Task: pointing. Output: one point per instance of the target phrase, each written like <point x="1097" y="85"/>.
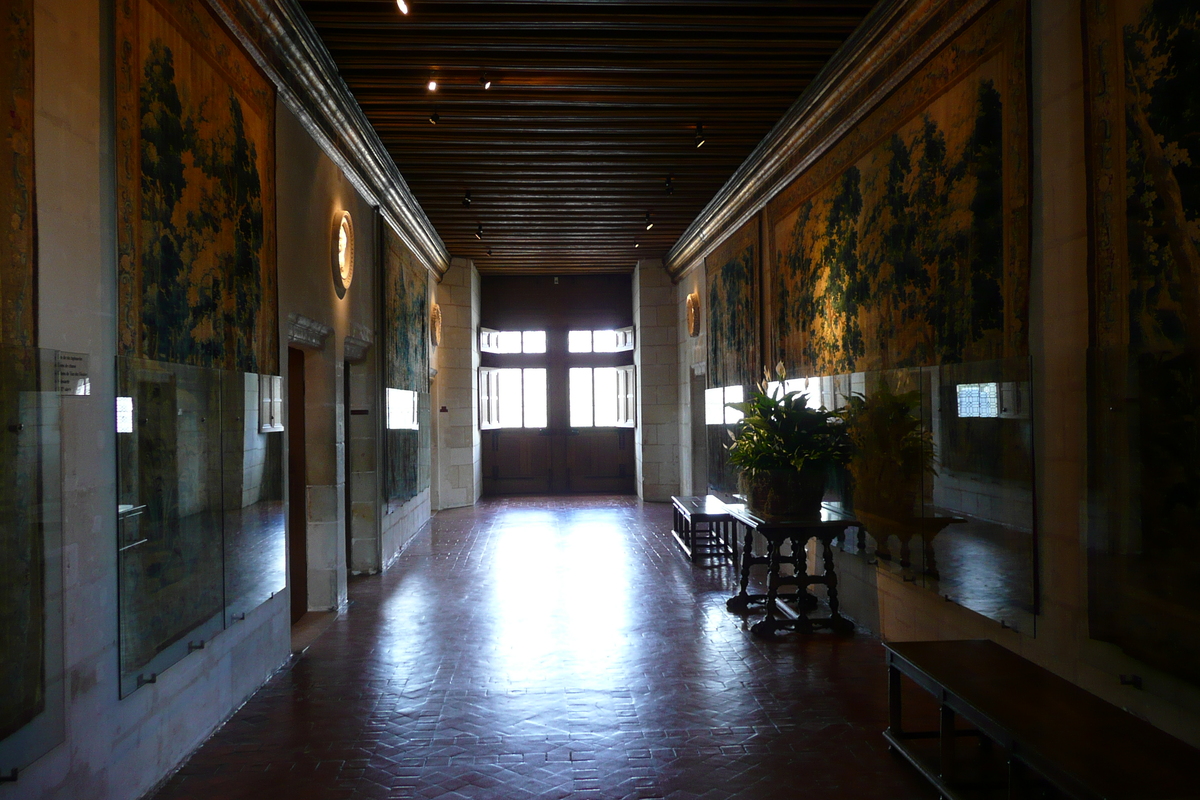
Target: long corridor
<point x="555" y="648"/>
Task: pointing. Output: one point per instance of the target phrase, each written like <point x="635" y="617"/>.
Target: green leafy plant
<point x="781" y="433"/>
<point x="892" y="451"/>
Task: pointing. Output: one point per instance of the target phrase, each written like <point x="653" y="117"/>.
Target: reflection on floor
<point x="554" y="648"/>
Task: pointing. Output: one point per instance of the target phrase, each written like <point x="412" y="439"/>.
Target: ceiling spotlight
<point x="489" y="251"/>
<point x="467" y="198"/>
<point x="699" y="134"/>
<point x="649" y="222"/>
<point x="636" y="245"/>
<point x="485" y="81"/>
<point x="479" y="231"/>
<point x="433" y="118"/>
<point x="403" y="6"/>
<point x="433" y="84"/>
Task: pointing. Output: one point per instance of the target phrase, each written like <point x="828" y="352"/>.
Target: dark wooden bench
<point x="703" y="529"/>
<point x="1033" y="728"/>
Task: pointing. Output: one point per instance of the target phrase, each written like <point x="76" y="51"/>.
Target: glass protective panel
<point x="535" y="398"/>
<point x="580" y="380"/>
<point x="1144" y="510"/>
<point x="170" y="510"/>
<point x="255" y="534"/>
<point x="31" y="609"/>
<point x="942" y="480"/>
<point x="579" y="341"/>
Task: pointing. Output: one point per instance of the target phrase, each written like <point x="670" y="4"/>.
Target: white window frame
<point x="489" y="399"/>
<point x="626" y="397"/>
<point x="624" y="344"/>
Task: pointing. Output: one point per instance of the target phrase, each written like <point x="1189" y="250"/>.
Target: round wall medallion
<point x="693" y="314"/>
<point x="342" y="251"/>
<point x="435" y="324"/>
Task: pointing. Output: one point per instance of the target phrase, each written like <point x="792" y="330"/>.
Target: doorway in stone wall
<point x="297" y="487"/>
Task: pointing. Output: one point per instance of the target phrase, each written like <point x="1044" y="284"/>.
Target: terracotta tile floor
<point x="555" y="648"/>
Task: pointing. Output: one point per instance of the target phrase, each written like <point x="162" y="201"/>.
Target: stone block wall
<point x="656" y="437"/>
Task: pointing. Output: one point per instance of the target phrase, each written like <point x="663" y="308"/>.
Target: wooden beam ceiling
<point x="593" y="105"/>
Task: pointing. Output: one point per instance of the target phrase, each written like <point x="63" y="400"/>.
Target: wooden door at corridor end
<point x="557" y="458"/>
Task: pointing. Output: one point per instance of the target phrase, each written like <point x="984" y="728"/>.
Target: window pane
<point x="606" y="341"/>
<point x="510" y="342"/>
<point x="714" y="410"/>
<point x="535" y="398"/>
<point x="535" y="342"/>
<point x="579" y="341"/>
<point x="733" y="394"/>
<point x="580" y="381"/>
<point x="606" y="396"/>
<point x="509" y="391"/>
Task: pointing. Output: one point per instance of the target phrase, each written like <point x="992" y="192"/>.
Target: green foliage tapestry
<point x="406" y="364"/>
<point x="196" y="192"/>
<point x="1144" y="382"/>
<point x="731" y="274"/>
<point x="907" y="243"/>
<point x="22" y="572"/>
<point x="17" y="241"/>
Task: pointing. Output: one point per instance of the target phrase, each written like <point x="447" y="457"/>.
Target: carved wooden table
<point x="703" y="529"/>
<point x="831" y="524"/>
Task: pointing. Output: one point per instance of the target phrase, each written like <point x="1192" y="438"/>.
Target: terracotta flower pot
<point x="784" y="494"/>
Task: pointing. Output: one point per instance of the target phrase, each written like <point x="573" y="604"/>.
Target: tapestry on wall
<point x="907" y="242"/>
<point x="195" y="192"/>
<point x="22" y="572"/>
<point x="406" y="367"/>
<point x="1144" y="381"/>
<point x="731" y="275"/>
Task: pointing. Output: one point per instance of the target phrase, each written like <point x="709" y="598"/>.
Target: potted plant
<point x="892" y="452"/>
<point x="784" y="451"/>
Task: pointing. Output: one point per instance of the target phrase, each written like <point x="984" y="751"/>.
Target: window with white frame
<point x="716" y="409"/>
<point x="512" y="397"/>
<point x="402" y="410"/>
<point x="601" y="397"/>
<point x="608" y="341"/>
<point x="493" y="341"/>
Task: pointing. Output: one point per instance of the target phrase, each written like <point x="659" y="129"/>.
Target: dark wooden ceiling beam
<point x="594" y="104"/>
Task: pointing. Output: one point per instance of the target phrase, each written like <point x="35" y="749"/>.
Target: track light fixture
<point x="467" y="198"/>
<point x="485" y="81"/>
<point x="649" y="222"/>
<point x="434" y="118"/>
<point x="479" y="231"/>
<point x="699" y="134"/>
<point x="489" y="251"/>
<point x="636" y="245"/>
<point x="403" y="6"/>
<point x="670" y="188"/>
<point x="433" y="84"/>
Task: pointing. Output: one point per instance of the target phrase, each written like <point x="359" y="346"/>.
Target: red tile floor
<point x="556" y="648"/>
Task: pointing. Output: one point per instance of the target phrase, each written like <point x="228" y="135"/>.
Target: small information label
<point x="73" y="378"/>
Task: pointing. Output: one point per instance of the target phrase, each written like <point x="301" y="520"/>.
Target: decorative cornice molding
<point x="830" y="106"/>
<point x="282" y="41"/>
<point x="355" y="349"/>
<point x="306" y="331"/>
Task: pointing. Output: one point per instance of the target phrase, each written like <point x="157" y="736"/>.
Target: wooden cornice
<point x="280" y="38"/>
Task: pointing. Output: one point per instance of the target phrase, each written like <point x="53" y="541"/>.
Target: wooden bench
<point x="1045" y="729"/>
<point x="703" y="529"/>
